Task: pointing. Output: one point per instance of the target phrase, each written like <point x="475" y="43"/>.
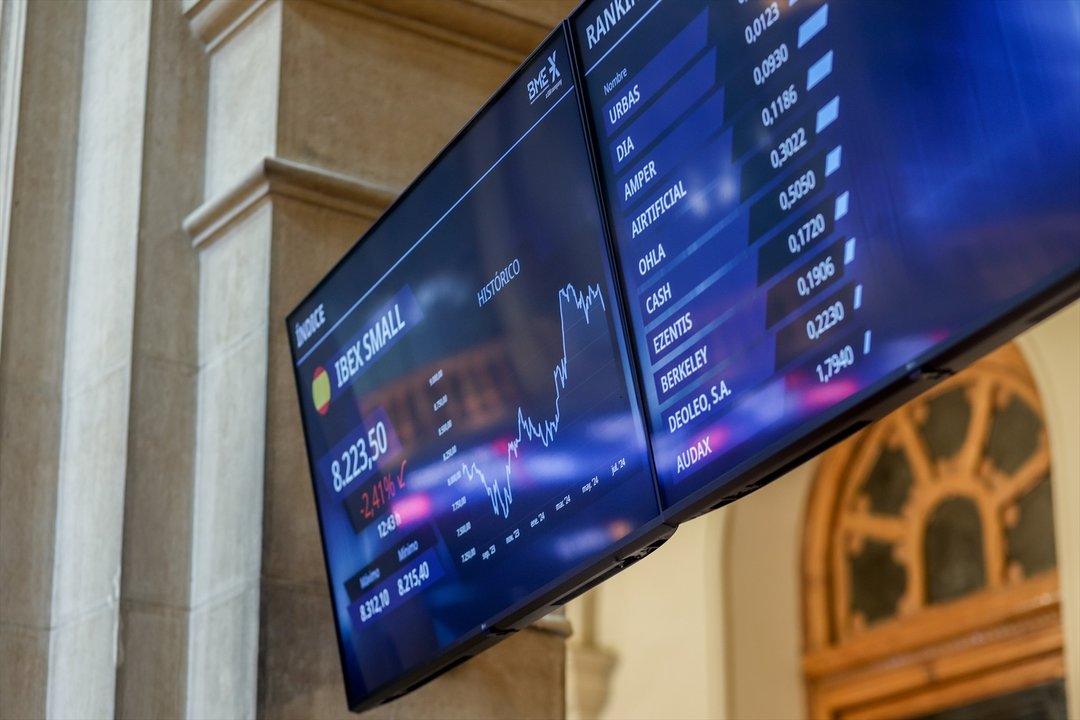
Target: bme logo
<point x="544" y="79"/>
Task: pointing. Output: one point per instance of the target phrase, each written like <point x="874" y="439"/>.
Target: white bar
<point x="792" y="2"/>
<point x="832" y="160"/>
<point x="827" y="115"/>
<point x="841" y="206"/>
<point x="819" y="70"/>
<point x="849" y="251"/>
<point x="866" y="343"/>
<point x="813" y="25"/>
<point x="858" y="297"/>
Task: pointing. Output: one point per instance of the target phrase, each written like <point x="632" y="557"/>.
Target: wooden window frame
<point x="1004" y="638"/>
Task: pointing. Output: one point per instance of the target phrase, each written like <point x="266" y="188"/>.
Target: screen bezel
<point x="641" y="541"/>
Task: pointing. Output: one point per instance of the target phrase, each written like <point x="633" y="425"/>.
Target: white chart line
<point x="528" y="429"/>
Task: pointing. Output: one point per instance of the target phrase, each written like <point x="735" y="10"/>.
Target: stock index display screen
<point x="472" y="427"/>
<point x="808" y="198"/>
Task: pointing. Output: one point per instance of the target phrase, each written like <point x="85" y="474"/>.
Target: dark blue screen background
<point x="930" y="181"/>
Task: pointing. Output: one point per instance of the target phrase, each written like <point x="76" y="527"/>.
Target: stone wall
<point x="174" y="177"/>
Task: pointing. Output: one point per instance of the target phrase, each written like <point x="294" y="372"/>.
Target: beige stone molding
<point x="506" y="30"/>
<point x="589" y="671"/>
<point x="215" y="20"/>
<point x="494" y="29"/>
<point x="285" y="178"/>
<point x="554" y="624"/>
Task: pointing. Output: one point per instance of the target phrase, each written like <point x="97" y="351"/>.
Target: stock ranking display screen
<point x="808" y="197"/>
<point x="464" y="381"/>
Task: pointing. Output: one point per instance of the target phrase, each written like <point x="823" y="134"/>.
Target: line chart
<point x="529" y="429"/>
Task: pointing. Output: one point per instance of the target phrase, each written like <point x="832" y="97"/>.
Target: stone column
<point x="1053" y="349"/>
<point x="73" y="189"/>
<point x="319" y="113"/>
<point x="155" y="601"/>
<point x="41" y="50"/>
<point x="589" y="665"/>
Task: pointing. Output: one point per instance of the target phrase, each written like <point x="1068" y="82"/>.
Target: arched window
<point x="929" y="564"/>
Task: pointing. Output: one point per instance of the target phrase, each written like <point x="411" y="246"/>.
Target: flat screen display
<point x="808" y="199"/>
<point x="474" y="434"/>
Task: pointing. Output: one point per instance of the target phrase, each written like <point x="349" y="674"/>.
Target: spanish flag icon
<point x="320" y="391"/>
